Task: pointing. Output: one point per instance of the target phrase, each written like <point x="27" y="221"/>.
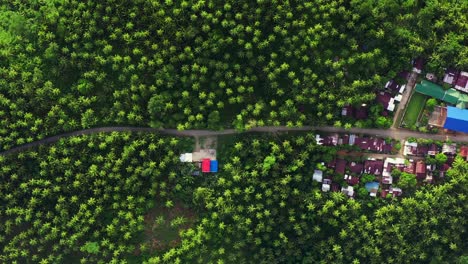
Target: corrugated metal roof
<point x="450" y="96"/>
<point x="457" y="119"/>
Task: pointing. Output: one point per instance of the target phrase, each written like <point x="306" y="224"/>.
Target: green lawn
<point x="415" y="106"/>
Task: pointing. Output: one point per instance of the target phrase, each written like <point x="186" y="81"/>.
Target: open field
<point x="415" y="106"/>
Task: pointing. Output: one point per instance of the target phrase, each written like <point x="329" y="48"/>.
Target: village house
<point x="326" y="185"/>
<point x="349" y="191"/>
<point x="464" y="152"/>
<point x="420" y="170"/>
<point x="352" y="180"/>
<point x="462" y="82"/>
<point x="410" y="148"/>
<point x="330" y="140"/>
<point x="449" y="149"/>
<point x="433" y="150"/>
<point x="395" y="192"/>
<point x="372" y="188"/>
<point x="356" y="167"/>
<point x="451" y="76"/>
<point x="410" y="167"/>
<point x="386" y="100"/>
<point x="374" y="167"/>
<point x="389" y="165"/>
<point x="392" y="86"/>
<point x="318" y="175"/>
<point x="418" y="65"/>
<point x="340" y="166"/>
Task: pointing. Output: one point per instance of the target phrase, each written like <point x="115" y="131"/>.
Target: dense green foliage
<point x="68" y="64"/>
<point x="265" y="208"/>
<point x="85" y="197"/>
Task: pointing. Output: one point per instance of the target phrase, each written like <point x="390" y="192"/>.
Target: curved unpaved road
<point x="393" y="133"/>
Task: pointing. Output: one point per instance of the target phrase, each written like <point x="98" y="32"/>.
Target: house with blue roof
<point x="457" y="119"/>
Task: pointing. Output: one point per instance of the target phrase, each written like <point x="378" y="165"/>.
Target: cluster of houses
<point x="458" y="79"/>
<point x="453" y="117"/>
<point x="384" y="184"/>
<point x="392" y="95"/>
<point x="352" y="172"/>
<point x="372" y="144"/>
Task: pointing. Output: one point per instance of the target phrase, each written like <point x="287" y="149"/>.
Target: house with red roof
<point x="464" y="152"/>
<point x="361" y="113"/>
<point x="410" y="167"/>
<point x="206" y="165"/>
<point x="340" y="166"/>
<point x="392" y="85"/>
<point x="418" y="65"/>
<point x="433" y="150"/>
<point x="395" y="192"/>
<point x="351" y="180"/>
<point x="374" y="167"/>
<point x="462" y="82"/>
<point x="420" y="169"/>
<point x="356" y="168"/>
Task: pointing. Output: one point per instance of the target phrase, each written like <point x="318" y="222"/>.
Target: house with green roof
<point x="450" y="96"/>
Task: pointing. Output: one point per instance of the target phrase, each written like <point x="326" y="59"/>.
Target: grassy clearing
<point x="414" y="108"/>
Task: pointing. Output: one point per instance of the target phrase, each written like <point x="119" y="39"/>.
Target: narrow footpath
<point x="404" y="100"/>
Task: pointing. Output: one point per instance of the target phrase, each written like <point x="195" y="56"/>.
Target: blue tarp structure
<point x="214" y="166"/>
<point x="372" y="185"/>
<point x="457" y="119"/>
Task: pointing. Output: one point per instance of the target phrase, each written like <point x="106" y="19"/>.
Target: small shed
<point x="318" y="175"/>
<point x="214" y="166"/>
<point x="206" y="165"/>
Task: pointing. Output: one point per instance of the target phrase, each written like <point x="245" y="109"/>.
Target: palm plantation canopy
<point x="121" y="197"/>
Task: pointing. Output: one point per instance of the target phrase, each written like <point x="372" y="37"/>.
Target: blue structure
<point x="372" y="185"/>
<point x="214" y="166"/>
<point x="457" y="119"/>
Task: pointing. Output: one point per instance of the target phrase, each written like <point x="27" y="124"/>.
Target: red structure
<point x="206" y="165"/>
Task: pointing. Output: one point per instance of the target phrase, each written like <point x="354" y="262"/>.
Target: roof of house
<point x="186" y="157"/>
<point x="340" y="166"/>
<point x="356" y="167"/>
<point x="372" y="186"/>
<point x="318" y="175"/>
<point x="214" y="166"/>
<point x="449" y="148"/>
<point x="361" y="113"/>
<point x="392" y="85"/>
<point x="348" y="191"/>
<point x="384" y="99"/>
<point x="404" y="75"/>
<point x="457" y="119"/>
<point x="462" y="81"/>
<point x="373" y="167"/>
<point x="352" y="180"/>
<point x="436" y="91"/>
<point x="422" y="149"/>
<point x="464" y="151"/>
<point x="410" y="167"/>
<point x="206" y="165"/>
<point x="347" y="111"/>
<point x="451" y="76"/>
<point x="420" y="169"/>
<point x="418" y="65"/>
<point x="387" y="179"/>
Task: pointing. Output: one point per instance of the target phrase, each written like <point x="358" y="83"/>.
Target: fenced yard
<point x="414" y="108"/>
